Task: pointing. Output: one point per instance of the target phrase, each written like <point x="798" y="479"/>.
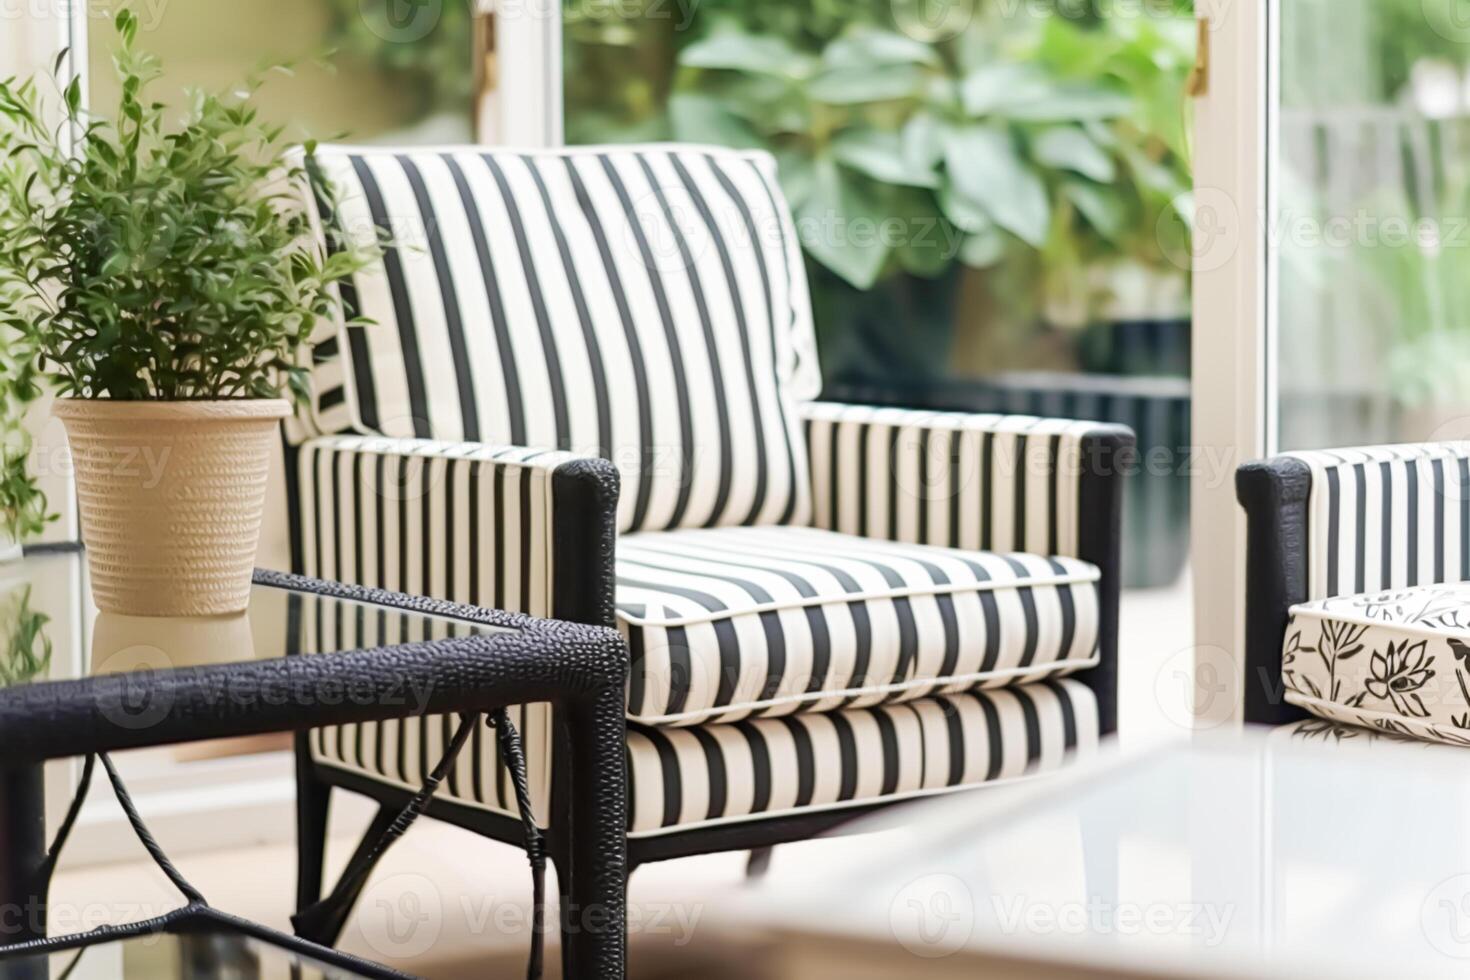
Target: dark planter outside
<point x="1158" y="347"/>
<point x="901" y="330"/>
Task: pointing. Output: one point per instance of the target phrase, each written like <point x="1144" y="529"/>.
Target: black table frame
<point x="579" y="668"/>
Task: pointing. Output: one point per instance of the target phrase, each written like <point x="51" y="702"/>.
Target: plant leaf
<point x="699" y="118"/>
<point x="840" y="227"/>
<point x="880" y="155"/>
<point x="764" y="54"/>
<point x="1101" y="206"/>
<point x="1069" y="148"/>
<point x="984" y="166"/>
<point x="853" y="86"/>
<point x="865" y="47"/>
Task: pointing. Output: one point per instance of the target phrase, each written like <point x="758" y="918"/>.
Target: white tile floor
<point x="447" y="904"/>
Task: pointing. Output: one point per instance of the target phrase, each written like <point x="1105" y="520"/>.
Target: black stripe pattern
<point x="733" y="622"/>
<point x="825" y="604"/>
<point x="954" y="479"/>
<point x="643" y="304"/>
<point x="1387" y="517"/>
<point x="687" y="777"/>
<point x="460" y="521"/>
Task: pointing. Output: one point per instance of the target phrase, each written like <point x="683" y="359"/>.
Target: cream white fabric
<point x="711" y="774"/>
<point x="1387" y="517"/>
<point x="959" y="479"/>
<point x="1396" y="661"/>
<point x="732" y="622"/>
<point x="645" y="304"/>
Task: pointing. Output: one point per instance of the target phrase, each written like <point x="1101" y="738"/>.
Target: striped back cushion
<point x="1387" y="517"/>
<point x="645" y="304"/>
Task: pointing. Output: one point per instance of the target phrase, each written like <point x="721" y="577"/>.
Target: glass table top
<point x="50" y="629"/>
<point x="1307" y="850"/>
<point x="194" y="955"/>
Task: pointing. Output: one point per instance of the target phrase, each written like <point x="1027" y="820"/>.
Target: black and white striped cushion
<point x="688" y="777"/>
<point x="1387" y="517"/>
<point x="460" y="521"/>
<point x="964" y="480"/>
<point x="644" y="304"/>
<point x="403" y="751"/>
<point x="730" y="622"/>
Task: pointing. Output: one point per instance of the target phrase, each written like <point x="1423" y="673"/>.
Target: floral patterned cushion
<point x="1395" y="661"/>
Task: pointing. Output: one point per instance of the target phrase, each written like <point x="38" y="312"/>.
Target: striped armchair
<point x="1358" y="590"/>
<point x="589" y="392"/>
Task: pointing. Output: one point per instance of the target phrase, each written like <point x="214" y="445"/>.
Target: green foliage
<point x="23" y="511"/>
<point x="1045" y="146"/>
<point x="424" y="47"/>
<point x="144" y="260"/>
<point x="25" y="655"/>
<point x="1411" y="270"/>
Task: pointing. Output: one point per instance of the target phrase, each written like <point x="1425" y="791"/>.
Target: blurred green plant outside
<point x="25" y="653"/>
<point x="428" y="59"/>
<point x="1376" y="121"/>
<point x="1047" y="145"/>
<point x="23" y="508"/>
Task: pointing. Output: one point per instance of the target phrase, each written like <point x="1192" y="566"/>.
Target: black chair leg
<point x="593" y="875"/>
<point x="759" y="862"/>
<point x="322" y="922"/>
<point x="313" y="802"/>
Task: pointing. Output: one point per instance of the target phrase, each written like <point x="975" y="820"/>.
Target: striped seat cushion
<point x="644" y="304"/>
<point x="687" y="777"/>
<point x="1395" y="661"/>
<point x="732" y="622"/>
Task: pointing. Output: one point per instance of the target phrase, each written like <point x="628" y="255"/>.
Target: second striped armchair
<point x="589" y="391"/>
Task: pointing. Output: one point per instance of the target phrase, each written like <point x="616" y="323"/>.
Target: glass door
<point x="990" y="197"/>
<point x="1370" y="243"/>
<point x="1331" y="250"/>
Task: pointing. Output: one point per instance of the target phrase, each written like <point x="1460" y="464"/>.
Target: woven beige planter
<point x="171" y="495"/>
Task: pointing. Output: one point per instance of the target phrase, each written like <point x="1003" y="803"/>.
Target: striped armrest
<point x="526" y="530"/>
<point x="1376" y="517"/>
<point x="1343" y="522"/>
<point x="962" y="480"/>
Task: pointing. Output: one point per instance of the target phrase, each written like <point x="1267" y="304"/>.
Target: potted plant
<point x="163" y="274"/>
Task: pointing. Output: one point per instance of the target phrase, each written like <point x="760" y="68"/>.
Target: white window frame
<point x="527" y="95"/>
<point x="1233" y="408"/>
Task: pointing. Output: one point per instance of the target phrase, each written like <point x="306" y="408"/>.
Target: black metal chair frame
<point x="1275" y="495"/>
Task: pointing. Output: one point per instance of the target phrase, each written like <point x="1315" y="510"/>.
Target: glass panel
<point x="380" y="70"/>
<point x="1372" y="245"/>
<point x="195" y="954"/>
<point x="988" y="193"/>
<point x="45" y="593"/>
